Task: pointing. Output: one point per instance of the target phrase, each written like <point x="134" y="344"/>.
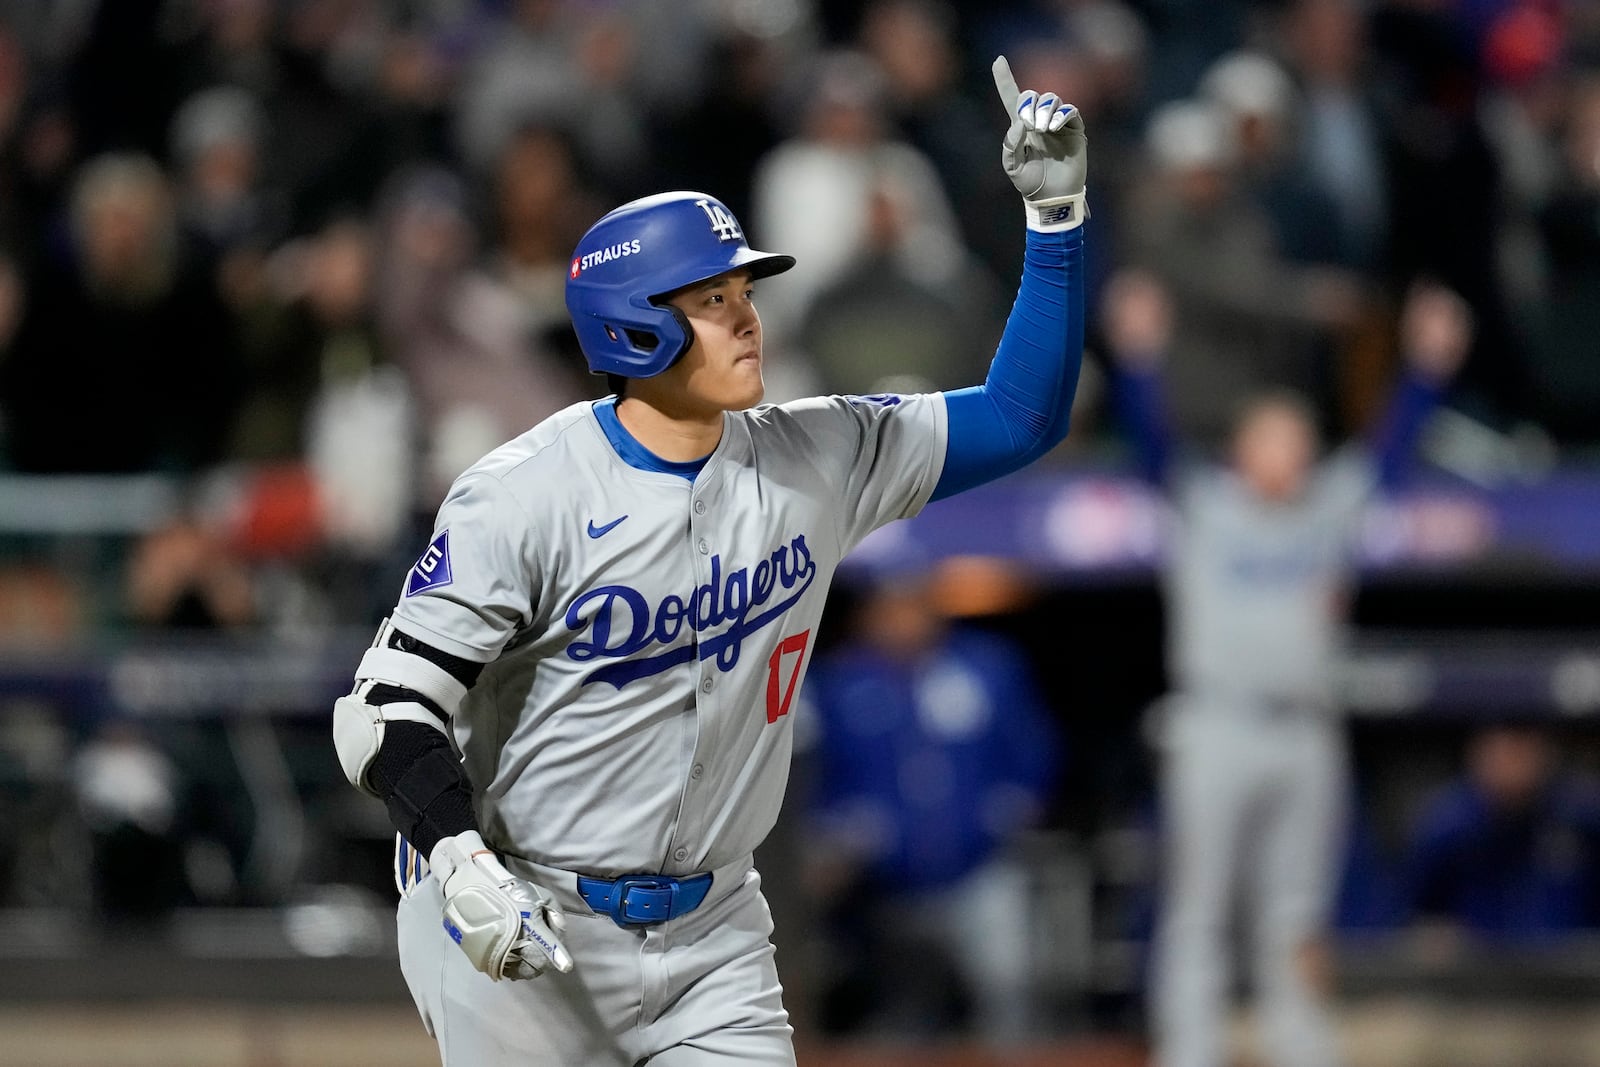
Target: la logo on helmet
<point x="722" y="223"/>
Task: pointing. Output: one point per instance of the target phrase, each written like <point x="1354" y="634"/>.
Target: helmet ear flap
<point x="686" y="339"/>
<point x="656" y="338"/>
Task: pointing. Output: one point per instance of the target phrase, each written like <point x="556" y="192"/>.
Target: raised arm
<point x="1137" y="313"/>
<point x="1021" y="410"/>
<point x="1435" y="334"/>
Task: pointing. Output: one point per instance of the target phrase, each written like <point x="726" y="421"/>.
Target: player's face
<point x="722" y="369"/>
<point x="1273" y="451"/>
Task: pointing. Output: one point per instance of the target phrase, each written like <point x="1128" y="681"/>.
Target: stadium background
<point x="271" y="273"/>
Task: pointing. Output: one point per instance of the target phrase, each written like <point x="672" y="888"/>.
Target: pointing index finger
<point x="1007" y="85"/>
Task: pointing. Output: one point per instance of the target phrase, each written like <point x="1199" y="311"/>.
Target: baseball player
<point x="579" y="714"/>
<point x="1253" y="778"/>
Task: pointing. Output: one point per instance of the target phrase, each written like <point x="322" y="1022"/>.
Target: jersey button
<point x="699" y="507"/>
<point x="705" y="549"/>
<point x="681" y="854"/>
<point x="705" y="684"/>
<point x="696" y="771"/>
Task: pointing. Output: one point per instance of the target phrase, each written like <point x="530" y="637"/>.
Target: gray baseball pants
<point x="1253" y="812"/>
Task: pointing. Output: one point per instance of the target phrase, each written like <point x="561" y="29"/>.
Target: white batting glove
<point x="1045" y="154"/>
<point x="506" y="926"/>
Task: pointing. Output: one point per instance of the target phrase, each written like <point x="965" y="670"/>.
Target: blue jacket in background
<point x="923" y="770"/>
<point x="1510" y="876"/>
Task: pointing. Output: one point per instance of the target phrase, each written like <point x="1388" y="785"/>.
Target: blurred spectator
<point x="413" y="85"/>
<point x="469" y="346"/>
<point x="542" y="208"/>
<point x="124" y="80"/>
<point x="1260" y="99"/>
<point x="814" y="193"/>
<point x="11" y="304"/>
<point x="1565" y="372"/>
<point x="309" y="325"/>
<point x="1341" y="138"/>
<point x="558" y="64"/>
<point x="1187" y="36"/>
<point x="216" y="146"/>
<point x="1511" y="850"/>
<point x="115" y="346"/>
<point x="914" y="44"/>
<point x="24" y="191"/>
<point x="232" y="43"/>
<point x="327" y="144"/>
<point x="1442" y="170"/>
<point x="1253" y="761"/>
<point x="933" y="750"/>
<point x="1526" y="102"/>
<point x="1247" y="318"/>
<point x="184" y="575"/>
<point x="882" y="327"/>
<point x="716" y="139"/>
<point x="361" y="397"/>
<point x="1115" y="45"/>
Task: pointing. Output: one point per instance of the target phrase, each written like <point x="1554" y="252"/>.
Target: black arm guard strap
<point x="417" y="775"/>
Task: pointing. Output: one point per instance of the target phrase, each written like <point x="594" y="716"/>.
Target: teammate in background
<point x="933" y="750"/>
<point x="579" y="711"/>
<point x="1253" y="753"/>
<point x="1510" y="851"/>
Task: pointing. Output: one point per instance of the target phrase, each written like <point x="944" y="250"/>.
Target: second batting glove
<point x="507" y="927"/>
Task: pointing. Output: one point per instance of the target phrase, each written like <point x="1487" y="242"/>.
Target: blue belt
<point x="641" y="900"/>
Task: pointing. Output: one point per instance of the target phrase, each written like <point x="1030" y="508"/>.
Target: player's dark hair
<point x="616" y="383"/>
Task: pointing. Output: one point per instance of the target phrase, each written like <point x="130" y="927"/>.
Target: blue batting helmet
<point x="640" y="252"/>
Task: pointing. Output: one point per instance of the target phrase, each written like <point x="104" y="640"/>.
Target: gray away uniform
<point x="644" y="639"/>
<point x="1254" y="763"/>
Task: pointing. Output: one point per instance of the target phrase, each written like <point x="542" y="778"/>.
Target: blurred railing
<point x="1089" y="523"/>
<point x="1388" y="673"/>
<point x="97" y="505"/>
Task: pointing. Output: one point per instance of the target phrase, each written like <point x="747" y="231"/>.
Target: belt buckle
<point x="629" y="910"/>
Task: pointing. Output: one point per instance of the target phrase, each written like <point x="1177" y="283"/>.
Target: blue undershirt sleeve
<point x="1021" y="410"/>
<point x="1394" y="440"/>
<point x="1141" y="406"/>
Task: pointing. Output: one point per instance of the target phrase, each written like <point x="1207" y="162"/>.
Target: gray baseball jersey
<point x="645" y="636"/>
<point x="1256" y="590"/>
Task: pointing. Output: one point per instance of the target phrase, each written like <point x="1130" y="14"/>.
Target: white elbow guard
<point x="358" y="726"/>
<point x="407" y="670"/>
<point x="358" y="732"/>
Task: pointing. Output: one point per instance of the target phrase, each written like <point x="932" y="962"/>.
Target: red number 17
<point x="779" y="693"/>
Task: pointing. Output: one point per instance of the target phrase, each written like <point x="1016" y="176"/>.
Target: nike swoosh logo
<point x="601" y="531"/>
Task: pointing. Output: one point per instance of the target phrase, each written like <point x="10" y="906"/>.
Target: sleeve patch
<point x="433" y="569"/>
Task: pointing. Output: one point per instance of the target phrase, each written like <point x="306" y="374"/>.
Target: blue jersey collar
<point x="632" y="452"/>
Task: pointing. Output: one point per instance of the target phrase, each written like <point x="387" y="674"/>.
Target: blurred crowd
<point x="306" y="258"/>
<point x="314" y="250"/>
